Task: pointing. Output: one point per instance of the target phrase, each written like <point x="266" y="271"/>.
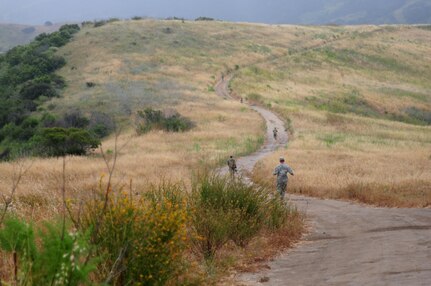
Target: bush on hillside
<point x="28" y="30"/>
<point x="421" y="116"/>
<point x="204" y="19"/>
<point x="99" y="23"/>
<point x="59" y="141"/>
<point x="33" y="90"/>
<point x="87" y="24"/>
<point x="254" y="97"/>
<point x="101" y="124"/>
<point x="74" y="119"/>
<point x="151" y="119"/>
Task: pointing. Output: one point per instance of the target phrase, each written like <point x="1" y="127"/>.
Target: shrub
<point x="420" y="115"/>
<point x="112" y="20"/>
<point x="74" y="119"/>
<point x="34" y="90"/>
<point x="254" y="97"/>
<point x="99" y="23"/>
<point x="87" y="24"/>
<point x="101" y="124"/>
<point x="28" y="30"/>
<point x="142" y="239"/>
<point x="167" y="30"/>
<point x="59" y="141"/>
<point x="150" y="119"/>
<point x="90" y="84"/>
<point x="204" y="19"/>
<point x="225" y="210"/>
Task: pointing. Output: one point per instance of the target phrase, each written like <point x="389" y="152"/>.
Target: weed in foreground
<point x="226" y="210"/>
<point x="47" y="256"/>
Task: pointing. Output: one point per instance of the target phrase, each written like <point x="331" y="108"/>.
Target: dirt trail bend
<point x="349" y="244"/>
<point x="246" y="164"/>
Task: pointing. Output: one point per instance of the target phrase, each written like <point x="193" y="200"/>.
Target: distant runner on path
<point x="275" y="132"/>
<point x="281" y="172"/>
<point x="231" y="163"/>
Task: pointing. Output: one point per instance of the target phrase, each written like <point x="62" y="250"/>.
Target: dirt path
<point x="349" y="244"/>
<point x="246" y="164"/>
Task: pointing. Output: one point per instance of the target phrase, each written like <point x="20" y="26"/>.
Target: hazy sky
<point x="39" y="11"/>
<point x="267" y="11"/>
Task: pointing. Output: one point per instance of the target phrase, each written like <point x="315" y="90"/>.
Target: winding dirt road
<point x="348" y="244"/>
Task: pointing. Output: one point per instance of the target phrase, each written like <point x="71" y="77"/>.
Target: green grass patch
<point x="349" y="102"/>
<point x="332" y="139"/>
<point x="405" y="93"/>
<point x="260" y="49"/>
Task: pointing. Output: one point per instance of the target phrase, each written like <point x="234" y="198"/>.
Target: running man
<point x="281" y="172"/>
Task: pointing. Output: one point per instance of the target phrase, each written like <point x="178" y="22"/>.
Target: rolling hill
<point x="355" y="99"/>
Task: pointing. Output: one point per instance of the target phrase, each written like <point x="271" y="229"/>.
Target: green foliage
<point x="331" y="139"/>
<point x="422" y="116"/>
<point x="59" y="258"/>
<point x="424" y="27"/>
<point x="350" y="102"/>
<point x="58" y="141"/>
<point x="252" y="145"/>
<point x="150" y="119"/>
<point x="260" y="49"/>
<point x="204" y="19"/>
<point x="100" y="23"/>
<point x="27" y="79"/>
<point x="255" y="97"/>
<point x="17" y="236"/>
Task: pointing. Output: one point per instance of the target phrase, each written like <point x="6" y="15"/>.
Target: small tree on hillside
<point x="59" y="141"/>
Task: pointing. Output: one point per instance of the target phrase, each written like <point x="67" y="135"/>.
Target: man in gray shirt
<point x="281" y="172"/>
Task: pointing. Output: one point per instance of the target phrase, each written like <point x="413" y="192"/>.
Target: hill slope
<point x="357" y="99"/>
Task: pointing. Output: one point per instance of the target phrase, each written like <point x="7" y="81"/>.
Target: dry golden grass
<point x="144" y="159"/>
<point x="372" y="161"/>
<point x="137" y="64"/>
<point x="344" y="148"/>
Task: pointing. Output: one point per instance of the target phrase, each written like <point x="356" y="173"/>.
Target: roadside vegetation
<point x="161" y="235"/>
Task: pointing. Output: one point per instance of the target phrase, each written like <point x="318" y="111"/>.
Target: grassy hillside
<point x="358" y="99"/>
<point x="360" y="106"/>
<point x="12" y="35"/>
